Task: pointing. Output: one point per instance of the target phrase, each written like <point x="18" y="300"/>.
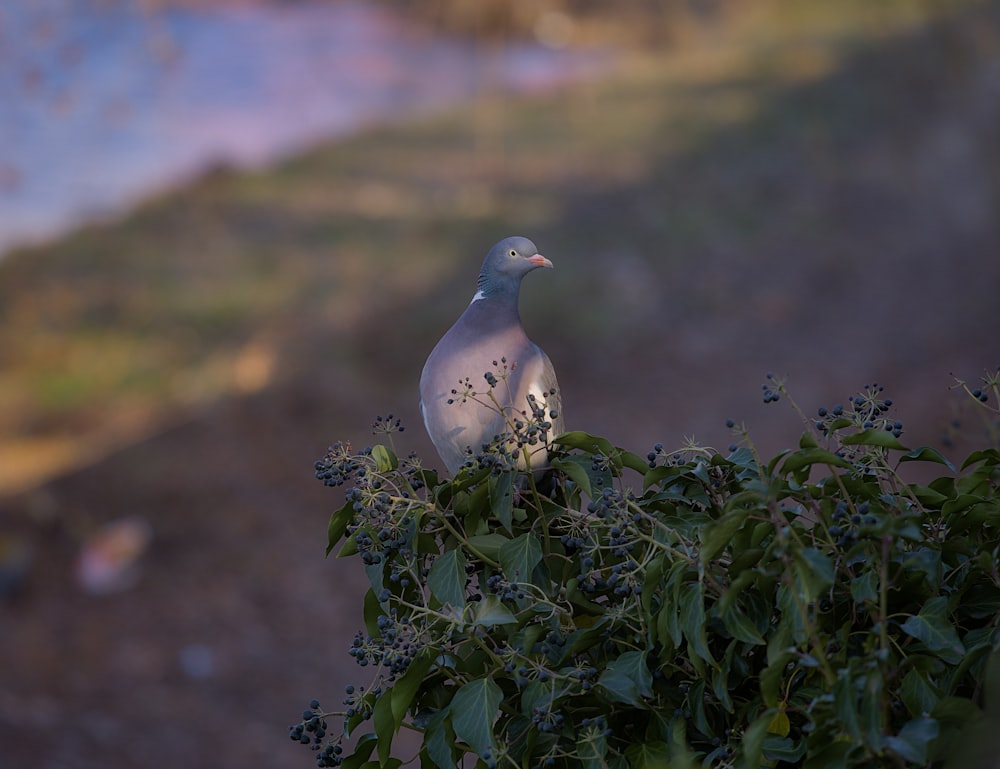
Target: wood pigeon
<point x="489" y="341"/>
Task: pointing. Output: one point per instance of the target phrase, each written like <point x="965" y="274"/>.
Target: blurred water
<point x="102" y="102"/>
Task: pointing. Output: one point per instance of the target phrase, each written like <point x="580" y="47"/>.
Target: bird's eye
<point x="512" y="252"/>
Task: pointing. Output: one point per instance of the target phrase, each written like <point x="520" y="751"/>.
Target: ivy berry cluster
<point x="311" y="731"/>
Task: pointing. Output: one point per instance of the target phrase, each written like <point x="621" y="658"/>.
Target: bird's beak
<point x="540" y="261"/>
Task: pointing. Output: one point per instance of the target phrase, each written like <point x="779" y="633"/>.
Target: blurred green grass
<point x="772" y="170"/>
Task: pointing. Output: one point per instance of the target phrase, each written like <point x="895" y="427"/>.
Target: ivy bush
<point x="677" y="609"/>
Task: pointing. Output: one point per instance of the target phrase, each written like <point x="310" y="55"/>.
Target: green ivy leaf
<point x="581" y="470"/>
<point x="931" y="626"/>
<point x="874" y="437"/>
<point x="488" y="544"/>
<point x="834" y="755"/>
<point x="594" y="444"/>
<point x="535" y="694"/>
<point x="740" y="626"/>
<point x="845" y="704"/>
<point x="864" y="589"/>
<point x="474" y="709"/>
<point x="652" y="576"/>
<point x="648" y="755"/>
<point x="956" y="710"/>
<point x="575" y="470"/>
<point x="813" y="570"/>
<point x="808" y="440"/>
<point x="839" y="424"/>
<point x="660" y="474"/>
<point x="917" y="694"/>
<point x="783" y="748"/>
<point x="716" y="535"/>
<point x="577" y="439"/>
<point x="912" y="741"/>
<point x="634" y="462"/>
<point x="593" y="752"/>
<point x="582" y="603"/>
<point x="780" y="724"/>
<point x="446" y="578"/>
<point x="390" y="763"/>
<point x="490" y="611"/>
<point x="428" y="476"/>
<point x="627" y="679"/>
<point x="520" y="556"/>
<point x="372" y="611"/>
<point x="720" y="677"/>
<point x="339" y="522"/>
<point x="959" y="504"/>
<point x="349" y="548"/>
<point x="807" y="457"/>
<point x="928" y="497"/>
<point x="362" y="752"/>
<point x="926" y="454"/>
<point x="501" y="491"/>
<point x="990" y="457"/>
<point x="464" y="480"/>
<point x="741" y="582"/>
<point x="783" y="636"/>
<point x="406" y="687"/>
<point x="385" y="459"/>
<point x="753" y="737"/>
<point x="376" y="575"/>
<point x="692" y="620"/>
<point x="772" y="678"/>
<point x="668" y="622"/>
<point x="439" y="740"/>
<point x="981" y="601"/>
<point x="385" y="726"/>
<point x="926" y="560"/>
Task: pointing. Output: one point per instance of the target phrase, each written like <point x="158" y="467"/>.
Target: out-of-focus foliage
<point x="761" y="177"/>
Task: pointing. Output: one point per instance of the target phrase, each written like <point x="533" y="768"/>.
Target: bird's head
<point x="506" y="263"/>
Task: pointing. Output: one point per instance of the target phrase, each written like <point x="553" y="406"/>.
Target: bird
<point x="487" y="341"/>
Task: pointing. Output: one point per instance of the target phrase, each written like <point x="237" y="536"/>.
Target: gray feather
<point x="487" y="333"/>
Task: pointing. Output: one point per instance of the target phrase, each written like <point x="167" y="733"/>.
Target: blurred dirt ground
<point x="817" y="200"/>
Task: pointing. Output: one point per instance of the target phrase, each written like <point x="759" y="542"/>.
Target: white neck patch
<point x="477" y="296"/>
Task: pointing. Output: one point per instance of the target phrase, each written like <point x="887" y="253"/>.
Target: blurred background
<point x="232" y="231"/>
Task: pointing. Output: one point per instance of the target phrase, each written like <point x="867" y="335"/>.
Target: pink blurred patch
<point x="109" y="558"/>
